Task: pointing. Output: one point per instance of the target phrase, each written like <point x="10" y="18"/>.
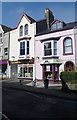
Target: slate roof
<point x="5" y="28"/>
<point x="67" y="26"/>
<point x="41" y="26"/>
<point x="31" y="19"/>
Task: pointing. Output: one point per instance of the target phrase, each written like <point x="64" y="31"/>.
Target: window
<point x="0" y="50"/>
<point x="21" y="30"/>
<point x="5" y="51"/>
<point x="22" y="48"/>
<point x="1" y="38"/>
<point x="57" y="25"/>
<point x="28" y="44"/>
<point x="67" y="45"/>
<point x="47" y="49"/>
<point x="50" y="48"/>
<point x="55" y="48"/>
<point x="0" y="34"/>
<point x="26" y="29"/>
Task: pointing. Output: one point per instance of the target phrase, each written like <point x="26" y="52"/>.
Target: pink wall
<point x="65" y="58"/>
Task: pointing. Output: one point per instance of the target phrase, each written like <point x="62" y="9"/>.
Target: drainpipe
<point x="9" y="55"/>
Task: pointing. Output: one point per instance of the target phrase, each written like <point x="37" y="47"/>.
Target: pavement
<point x="54" y="90"/>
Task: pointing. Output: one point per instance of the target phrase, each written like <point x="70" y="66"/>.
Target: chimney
<point x="49" y="17"/>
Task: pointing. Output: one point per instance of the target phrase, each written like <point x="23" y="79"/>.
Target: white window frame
<point x="26" y="29"/>
<point x="19" y="48"/>
<point x="52" y="47"/>
<point x="29" y="48"/>
<point x="1" y="39"/>
<point x="20" y="30"/>
<point x="6" y="52"/>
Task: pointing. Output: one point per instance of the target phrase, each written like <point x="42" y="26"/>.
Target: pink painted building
<point x="56" y="51"/>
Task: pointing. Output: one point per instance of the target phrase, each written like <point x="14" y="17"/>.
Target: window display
<point x="25" y="70"/>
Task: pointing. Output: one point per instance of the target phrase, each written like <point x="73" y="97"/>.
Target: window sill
<point x="49" y="57"/>
<point x="67" y="53"/>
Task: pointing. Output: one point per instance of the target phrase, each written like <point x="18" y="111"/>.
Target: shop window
<point x="67" y="46"/>
<point x="26" y="29"/>
<point x="25" y="70"/>
<point x="22" y="48"/>
<point x="47" y="49"/>
<point x="21" y="31"/>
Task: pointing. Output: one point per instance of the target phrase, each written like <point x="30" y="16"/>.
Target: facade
<point x="4" y="49"/>
<point x="56" y="51"/>
<point x="21" y="61"/>
<point x="22" y="46"/>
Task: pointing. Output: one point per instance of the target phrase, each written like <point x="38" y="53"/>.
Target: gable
<point x="1" y="30"/>
<point x="57" y="25"/>
<point x="25" y="19"/>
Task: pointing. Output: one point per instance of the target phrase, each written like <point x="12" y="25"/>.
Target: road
<point x="19" y="105"/>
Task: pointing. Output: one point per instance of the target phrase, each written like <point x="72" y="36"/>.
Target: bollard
<point x="33" y="83"/>
<point x="20" y="82"/>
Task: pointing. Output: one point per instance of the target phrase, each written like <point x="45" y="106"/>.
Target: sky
<point x="12" y="11"/>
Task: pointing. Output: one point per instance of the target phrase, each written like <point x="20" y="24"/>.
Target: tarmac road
<point x="19" y="105"/>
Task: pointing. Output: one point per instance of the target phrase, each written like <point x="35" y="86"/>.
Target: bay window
<point x="50" y="48"/>
<point x="28" y="44"/>
<point x="25" y="47"/>
<point x="47" y="49"/>
<point x="22" y="48"/>
<point x="55" y="47"/>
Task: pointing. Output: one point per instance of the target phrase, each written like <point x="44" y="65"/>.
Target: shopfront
<point x="51" y="70"/>
<point x="25" y="70"/>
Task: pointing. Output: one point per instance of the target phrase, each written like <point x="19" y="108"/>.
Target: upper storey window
<point x="26" y="29"/>
<point x="50" y="48"/>
<point x="21" y="30"/>
<point x="67" y="43"/>
<point x="57" y="25"/>
<point x="1" y="41"/>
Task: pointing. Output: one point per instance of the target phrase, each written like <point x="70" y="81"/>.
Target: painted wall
<point x="75" y="40"/>
<point x="13" y="54"/>
<point x="64" y="58"/>
<point x="31" y="33"/>
<point x="6" y="44"/>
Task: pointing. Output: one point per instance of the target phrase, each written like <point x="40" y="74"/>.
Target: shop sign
<point x="15" y="62"/>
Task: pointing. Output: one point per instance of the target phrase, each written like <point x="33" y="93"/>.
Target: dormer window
<point x="21" y="30"/>
<point x="26" y="29"/>
<point x="57" y="25"/>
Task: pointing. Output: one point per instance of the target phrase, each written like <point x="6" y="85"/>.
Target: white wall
<point x="13" y="45"/>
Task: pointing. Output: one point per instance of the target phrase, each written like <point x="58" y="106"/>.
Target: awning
<point x="3" y="61"/>
<point x="52" y="61"/>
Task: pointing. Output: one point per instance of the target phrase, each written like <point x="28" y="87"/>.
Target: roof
<point x="67" y="26"/>
<point x="41" y="26"/>
<point x="31" y="19"/>
<point x="5" y="28"/>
